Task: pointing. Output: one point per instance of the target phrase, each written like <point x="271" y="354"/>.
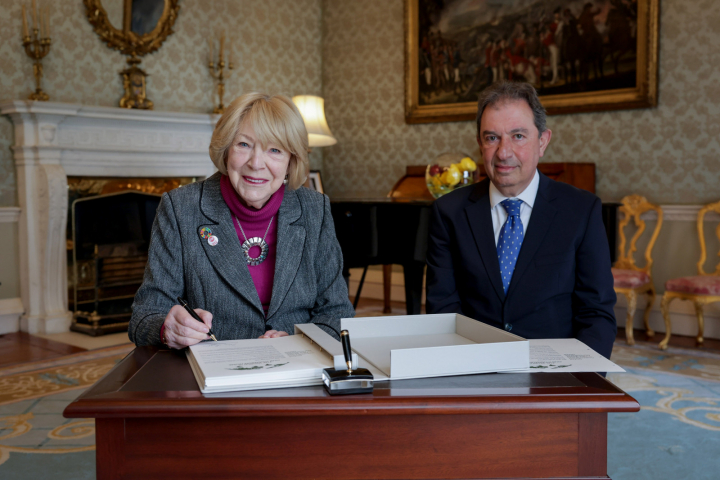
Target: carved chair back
<point x="712" y="207"/>
<point x="633" y="206"/>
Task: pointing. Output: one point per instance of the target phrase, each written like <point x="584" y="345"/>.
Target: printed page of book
<point x="566" y="355"/>
<point x="258" y="361"/>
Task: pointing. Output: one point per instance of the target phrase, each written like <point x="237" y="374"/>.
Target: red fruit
<point x="434" y="170"/>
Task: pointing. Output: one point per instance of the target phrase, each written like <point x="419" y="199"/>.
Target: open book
<point x="391" y="348"/>
<point x="256" y="364"/>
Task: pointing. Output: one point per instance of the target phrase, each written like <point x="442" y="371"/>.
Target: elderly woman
<point x="252" y="251"/>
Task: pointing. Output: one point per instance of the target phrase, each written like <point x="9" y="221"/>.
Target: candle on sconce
<point x="34" y="14"/>
<point x="36" y="41"/>
<point x="47" y="21"/>
<point x="220" y="68"/>
<point x="222" y="45"/>
<point x="42" y="23"/>
<point x="26" y="32"/>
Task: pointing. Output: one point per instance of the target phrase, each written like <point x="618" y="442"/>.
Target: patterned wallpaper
<point x="352" y="52"/>
<point x="276" y="42"/>
<point x="670" y="154"/>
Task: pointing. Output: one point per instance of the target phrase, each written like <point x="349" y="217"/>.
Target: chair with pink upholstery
<point x="701" y="289"/>
<point x="630" y="279"/>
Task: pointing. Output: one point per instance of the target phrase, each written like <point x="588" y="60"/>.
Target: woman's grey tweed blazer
<point x="308" y="284"/>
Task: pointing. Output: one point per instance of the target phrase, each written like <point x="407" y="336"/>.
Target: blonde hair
<point x="276" y="120"/>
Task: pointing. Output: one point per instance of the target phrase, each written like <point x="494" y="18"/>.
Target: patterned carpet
<point x="676" y="435"/>
<point x="35" y="440"/>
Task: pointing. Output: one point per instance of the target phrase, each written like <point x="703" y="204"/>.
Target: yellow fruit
<point x="452" y="176"/>
<point x="436" y="180"/>
<point x="467" y="165"/>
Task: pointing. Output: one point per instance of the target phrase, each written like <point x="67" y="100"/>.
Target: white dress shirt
<point x="498" y="212"/>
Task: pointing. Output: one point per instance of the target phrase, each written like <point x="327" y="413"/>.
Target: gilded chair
<point x="630" y="279"/>
<point x="701" y="289"/>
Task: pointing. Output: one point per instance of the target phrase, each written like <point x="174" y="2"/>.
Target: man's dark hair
<point x="508" y="91"/>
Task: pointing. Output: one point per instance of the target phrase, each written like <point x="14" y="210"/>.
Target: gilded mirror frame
<point x="126" y="41"/>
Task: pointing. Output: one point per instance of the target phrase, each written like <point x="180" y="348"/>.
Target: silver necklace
<point x="254" y="242"/>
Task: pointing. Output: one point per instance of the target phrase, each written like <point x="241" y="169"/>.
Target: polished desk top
<point x="153" y="382"/>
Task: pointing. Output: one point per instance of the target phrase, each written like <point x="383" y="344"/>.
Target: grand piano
<point x="394" y="229"/>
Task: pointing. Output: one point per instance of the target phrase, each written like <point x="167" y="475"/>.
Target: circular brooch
<point x="255" y="242"/>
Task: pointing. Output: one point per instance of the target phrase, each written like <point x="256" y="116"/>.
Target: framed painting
<point x="314" y="182"/>
<point x="580" y="55"/>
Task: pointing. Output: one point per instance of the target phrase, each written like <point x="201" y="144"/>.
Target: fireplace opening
<point x="109" y="226"/>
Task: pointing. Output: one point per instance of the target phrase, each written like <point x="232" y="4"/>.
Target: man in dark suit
<point x="520" y="251"/>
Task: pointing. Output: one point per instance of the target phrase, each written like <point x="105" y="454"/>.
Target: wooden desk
<point x="153" y="422"/>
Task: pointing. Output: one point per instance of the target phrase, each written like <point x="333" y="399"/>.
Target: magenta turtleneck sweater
<point x="254" y="223"/>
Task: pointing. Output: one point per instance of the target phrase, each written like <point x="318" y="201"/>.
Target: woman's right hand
<point x="181" y="330"/>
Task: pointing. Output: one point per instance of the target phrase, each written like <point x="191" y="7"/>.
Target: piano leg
<point x="387" y="285"/>
<point x="346" y="276"/>
<point x="357" y="295"/>
<point x="414" y="272"/>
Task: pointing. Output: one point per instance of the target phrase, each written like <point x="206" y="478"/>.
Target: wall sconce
<point x="312" y="109"/>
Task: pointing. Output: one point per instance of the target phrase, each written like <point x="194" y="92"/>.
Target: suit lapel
<point x="226" y="257"/>
<point x="540" y="220"/>
<point x="480" y="220"/>
<point x="290" y="248"/>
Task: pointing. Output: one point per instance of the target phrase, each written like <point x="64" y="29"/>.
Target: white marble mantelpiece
<point x="54" y="140"/>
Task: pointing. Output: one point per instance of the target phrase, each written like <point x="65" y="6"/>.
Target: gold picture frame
<point x="434" y="107"/>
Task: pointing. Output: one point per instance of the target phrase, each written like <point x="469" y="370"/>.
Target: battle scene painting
<point x="560" y="46"/>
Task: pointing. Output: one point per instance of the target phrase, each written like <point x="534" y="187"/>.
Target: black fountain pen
<point x="347" y="351"/>
<point x="195" y="316"/>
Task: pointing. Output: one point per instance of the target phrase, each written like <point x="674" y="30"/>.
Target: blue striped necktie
<point x="511" y="237"/>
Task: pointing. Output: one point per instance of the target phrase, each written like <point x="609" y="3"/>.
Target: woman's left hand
<point x="273" y="334"/>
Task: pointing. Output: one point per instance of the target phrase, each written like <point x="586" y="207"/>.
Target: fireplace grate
<point x="111" y="235"/>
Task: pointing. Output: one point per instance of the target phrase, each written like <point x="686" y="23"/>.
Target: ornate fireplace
<point x="57" y="140"/>
<point x="108" y="235"/>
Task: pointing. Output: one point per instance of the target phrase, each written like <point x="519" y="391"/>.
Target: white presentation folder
<point x="418" y="346"/>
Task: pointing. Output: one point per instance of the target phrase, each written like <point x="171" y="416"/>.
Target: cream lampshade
<point x="312" y="109"/>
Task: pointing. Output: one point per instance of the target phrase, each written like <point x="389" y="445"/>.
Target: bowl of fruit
<point x="450" y="171"/>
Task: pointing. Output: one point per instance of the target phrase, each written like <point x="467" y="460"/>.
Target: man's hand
<point x="182" y="330"/>
<point x="273" y="334"/>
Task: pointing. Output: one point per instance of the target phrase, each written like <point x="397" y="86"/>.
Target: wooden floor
<point x="21" y="347"/>
<point x="371" y="305"/>
<point x="679" y="341"/>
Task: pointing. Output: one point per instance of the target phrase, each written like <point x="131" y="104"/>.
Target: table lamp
<point x="312" y="109"/>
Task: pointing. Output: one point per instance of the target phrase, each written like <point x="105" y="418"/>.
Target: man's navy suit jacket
<point x="562" y="286"/>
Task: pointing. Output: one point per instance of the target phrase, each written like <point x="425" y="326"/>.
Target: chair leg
<point x="664" y="306"/>
<point x="632" y="303"/>
<point x="701" y="322"/>
<point x="646" y="318"/>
